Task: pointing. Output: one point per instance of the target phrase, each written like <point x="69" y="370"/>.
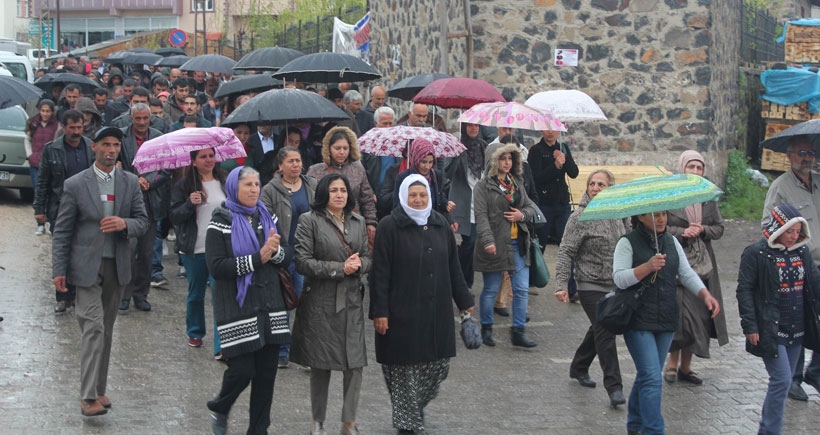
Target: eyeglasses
<point x="805" y="153"/>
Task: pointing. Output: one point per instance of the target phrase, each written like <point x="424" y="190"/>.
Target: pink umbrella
<point x="391" y="141"/>
<point x="512" y="115"/>
<point x="458" y="93"/>
<point x="173" y="150"/>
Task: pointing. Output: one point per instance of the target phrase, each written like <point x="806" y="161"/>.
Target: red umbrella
<point x="458" y="93"/>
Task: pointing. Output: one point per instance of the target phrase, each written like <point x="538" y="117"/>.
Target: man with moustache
<point x="101" y="211"/>
<point x="62" y="158"/>
<point x="799" y="188"/>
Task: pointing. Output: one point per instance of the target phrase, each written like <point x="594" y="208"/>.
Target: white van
<point x="42" y="53"/>
<point x="19" y="65"/>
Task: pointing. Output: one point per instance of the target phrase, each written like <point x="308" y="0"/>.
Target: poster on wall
<point x="352" y="39"/>
<point x="566" y="57"/>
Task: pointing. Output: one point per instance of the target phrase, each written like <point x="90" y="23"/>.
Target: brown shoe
<point x="104" y="401"/>
<point x="91" y="408"/>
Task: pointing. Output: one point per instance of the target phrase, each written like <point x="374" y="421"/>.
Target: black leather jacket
<point x="52" y="175"/>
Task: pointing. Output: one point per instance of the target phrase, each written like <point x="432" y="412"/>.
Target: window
<point x="23" y="7"/>
<point x="197" y="5"/>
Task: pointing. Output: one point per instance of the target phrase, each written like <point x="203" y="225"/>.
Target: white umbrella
<point x="568" y="105"/>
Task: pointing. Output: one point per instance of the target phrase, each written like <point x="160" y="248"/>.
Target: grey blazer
<point x="77" y="242"/>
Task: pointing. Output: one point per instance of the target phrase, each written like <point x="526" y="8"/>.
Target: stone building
<point x="665" y="72"/>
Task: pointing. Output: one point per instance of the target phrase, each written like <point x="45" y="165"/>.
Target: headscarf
<point x="420" y="149"/>
<point x="243" y="236"/>
<point x="694" y="212"/>
<point x="783" y="217"/>
<point x="474" y="153"/>
<point x="419" y="216"/>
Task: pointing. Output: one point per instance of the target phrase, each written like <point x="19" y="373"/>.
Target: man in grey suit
<point x="101" y="209"/>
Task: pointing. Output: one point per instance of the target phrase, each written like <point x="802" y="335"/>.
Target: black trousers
<point x="257" y="369"/>
<point x="141" y="265"/>
<point x="597" y="341"/>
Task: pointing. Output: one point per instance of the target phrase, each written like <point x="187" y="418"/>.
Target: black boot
<point x="487" y="335"/>
<point x="519" y="338"/>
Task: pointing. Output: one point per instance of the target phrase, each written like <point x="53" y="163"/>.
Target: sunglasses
<point x="806" y="153"/>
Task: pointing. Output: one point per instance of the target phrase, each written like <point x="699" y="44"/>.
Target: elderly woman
<point x="341" y="154"/>
<point x="695" y="227"/>
<point x="332" y="253"/>
<point x="416" y="275"/>
<point x="288" y="196"/>
<point x="777" y="295"/>
<point x="591" y="244"/>
<point x="650" y="260"/>
<point x="244" y="253"/>
<point x="502" y="208"/>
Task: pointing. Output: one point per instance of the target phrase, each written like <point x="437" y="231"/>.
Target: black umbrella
<point x="410" y="86"/>
<point x="327" y="68"/>
<point x="280" y="106"/>
<point x="16" y="91"/>
<point x="267" y="59"/>
<point x="214" y="63"/>
<point x="169" y="51"/>
<point x="141" y="59"/>
<point x="253" y="82"/>
<point x="117" y="56"/>
<point x="140" y="50"/>
<point x="173" y="61"/>
<point x="48" y="81"/>
<point x="780" y="142"/>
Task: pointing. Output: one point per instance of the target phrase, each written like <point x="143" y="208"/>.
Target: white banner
<point x="352" y="39"/>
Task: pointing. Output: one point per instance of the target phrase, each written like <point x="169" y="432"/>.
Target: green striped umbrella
<point x="650" y="194"/>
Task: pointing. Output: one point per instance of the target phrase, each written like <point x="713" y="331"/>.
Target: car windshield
<point x="17" y="69"/>
<point x="12" y="118"/>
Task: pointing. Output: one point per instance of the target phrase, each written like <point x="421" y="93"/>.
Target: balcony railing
<point x="103" y="5"/>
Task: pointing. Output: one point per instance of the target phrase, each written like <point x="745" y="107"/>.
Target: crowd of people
<point x="306" y="211"/>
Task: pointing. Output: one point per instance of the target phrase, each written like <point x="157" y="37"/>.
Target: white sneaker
<point x="171" y="236"/>
<point x="181" y="272"/>
<point x="41" y="229"/>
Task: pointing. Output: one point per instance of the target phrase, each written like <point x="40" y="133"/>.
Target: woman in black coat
<point x="415" y="276"/>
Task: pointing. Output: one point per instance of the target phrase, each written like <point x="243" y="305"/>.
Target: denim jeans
<point x="648" y="350"/>
<point x="298" y="282"/>
<point x="520" y="278"/>
<point x="812" y="372"/>
<point x="197" y="273"/>
<point x="556" y="217"/>
<point x="780" y="379"/>
<point x="156" y="259"/>
<point x="465" y="256"/>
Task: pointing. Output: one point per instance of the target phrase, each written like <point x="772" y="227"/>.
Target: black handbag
<point x="615" y="310"/>
<point x="470" y="333"/>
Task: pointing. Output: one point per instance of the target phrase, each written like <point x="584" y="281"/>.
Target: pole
<point x="59" y="39"/>
<point x="468" y="23"/>
<point x="442" y="42"/>
<point x="204" y="32"/>
<point x="196" y="20"/>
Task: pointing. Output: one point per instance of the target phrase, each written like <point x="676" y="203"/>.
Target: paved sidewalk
<point x="159" y="385"/>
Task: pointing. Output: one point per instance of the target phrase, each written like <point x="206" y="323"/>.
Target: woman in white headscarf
<point x="415" y="277"/>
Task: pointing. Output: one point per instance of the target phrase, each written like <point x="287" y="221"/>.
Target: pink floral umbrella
<point x="173" y="150"/>
<point x="512" y="115"/>
<point x="391" y="141"/>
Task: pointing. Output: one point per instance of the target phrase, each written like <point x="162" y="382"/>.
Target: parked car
<point x="14" y="168"/>
<point x="19" y="65"/>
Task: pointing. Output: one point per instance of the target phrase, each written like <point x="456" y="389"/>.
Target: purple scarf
<point x="243" y="236"/>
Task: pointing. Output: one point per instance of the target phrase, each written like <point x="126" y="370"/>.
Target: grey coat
<point x="329" y="329"/>
<point x="158" y="195"/>
<point x="276" y="198"/>
<point x="491" y="226"/>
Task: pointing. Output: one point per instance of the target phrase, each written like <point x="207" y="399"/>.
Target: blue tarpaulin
<point x="791" y="86"/>
<point x="809" y="22"/>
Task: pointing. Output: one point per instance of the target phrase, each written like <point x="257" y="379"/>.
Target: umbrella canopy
<point x="47" y="81"/>
<point x="281" y="106"/>
<point x="780" y="141"/>
<point x="327" y="68"/>
<point x="511" y="115"/>
<point x="458" y="93"/>
<point x="16" y="91"/>
<point x="117" y="56"/>
<point x="214" y="63"/>
<point x="410" y="86"/>
<point x="172" y="61"/>
<point x="169" y="51"/>
<point x="267" y="59"/>
<point x="173" y="150"/>
<point x="568" y="105"/>
<point x="140" y="50"/>
<point x="141" y="59"/>
<point x="250" y="83"/>
<point x="391" y="141"/>
<point x="650" y="194"/>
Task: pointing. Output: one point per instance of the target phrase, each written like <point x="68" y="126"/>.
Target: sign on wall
<point x="566" y="57"/>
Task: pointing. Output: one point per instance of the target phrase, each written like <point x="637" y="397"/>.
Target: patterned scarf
<point x="508" y="186"/>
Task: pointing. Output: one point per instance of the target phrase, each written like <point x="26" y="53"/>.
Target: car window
<point x="12" y="118"/>
<point x="17" y="70"/>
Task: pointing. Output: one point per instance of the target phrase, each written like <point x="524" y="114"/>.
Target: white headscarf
<point x="419" y="216"/>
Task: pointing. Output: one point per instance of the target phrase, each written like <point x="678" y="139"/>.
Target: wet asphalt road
<point x="158" y="385"/>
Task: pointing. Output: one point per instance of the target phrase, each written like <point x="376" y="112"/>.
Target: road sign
<point x="178" y="38"/>
<point x="45" y="29"/>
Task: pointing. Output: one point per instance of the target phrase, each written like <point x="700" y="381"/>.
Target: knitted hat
<point x="783" y="217"/>
<point x="419" y="149"/>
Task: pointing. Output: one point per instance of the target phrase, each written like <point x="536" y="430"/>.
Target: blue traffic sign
<point x="178" y="38"/>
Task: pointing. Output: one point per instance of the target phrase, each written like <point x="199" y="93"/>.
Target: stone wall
<point x="664" y="71"/>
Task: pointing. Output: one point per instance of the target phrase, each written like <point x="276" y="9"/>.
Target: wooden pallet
<point x="622" y="173"/>
<point x="802" y="34"/>
<point x="803" y="52"/>
<point x="793" y="112"/>
<point x="772" y="161"/>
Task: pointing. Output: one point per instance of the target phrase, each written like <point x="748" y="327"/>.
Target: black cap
<point x="108" y="132"/>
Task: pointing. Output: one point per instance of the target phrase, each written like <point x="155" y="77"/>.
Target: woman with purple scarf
<point x="244" y="254"/>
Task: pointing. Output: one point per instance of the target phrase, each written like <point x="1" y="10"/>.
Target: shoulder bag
<point x="614" y="311"/>
<point x="539" y="273"/>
